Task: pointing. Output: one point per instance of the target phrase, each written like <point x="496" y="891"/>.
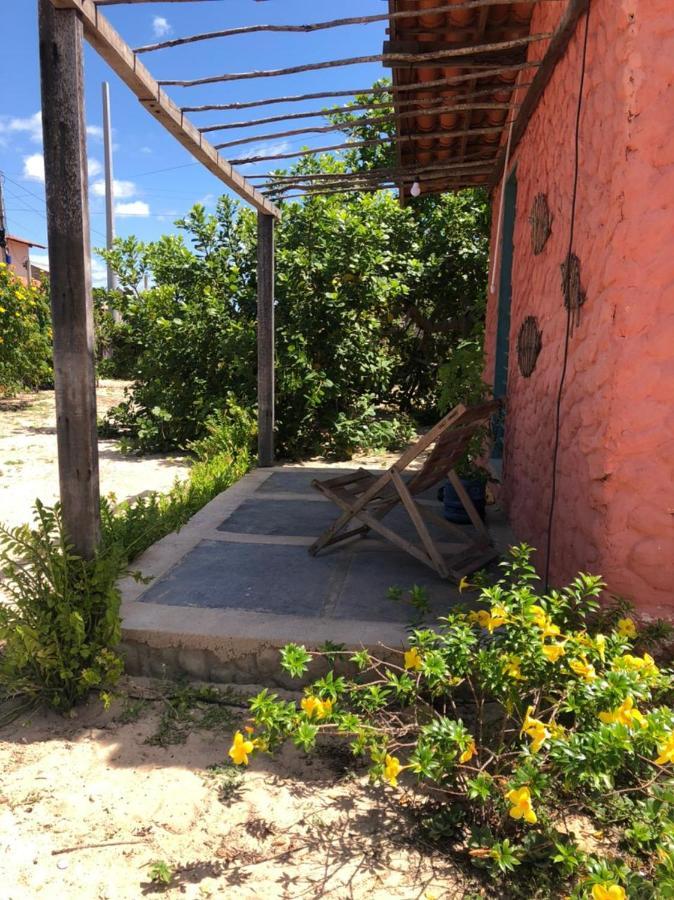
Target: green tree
<point x="371" y="299"/>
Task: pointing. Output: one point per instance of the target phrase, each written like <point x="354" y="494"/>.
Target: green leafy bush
<point x="514" y="721"/>
<point x="371" y="298"/>
<point x="460" y="377"/>
<point x="60" y="627"/>
<point x="25" y="335"/>
<point x="223" y="456"/>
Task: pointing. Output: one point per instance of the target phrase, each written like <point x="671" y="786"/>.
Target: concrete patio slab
<point x="297" y="480"/>
<point x="221" y="575"/>
<point x="291" y="517"/>
<point x="237" y="583"/>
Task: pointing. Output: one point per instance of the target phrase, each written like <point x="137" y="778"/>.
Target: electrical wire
<point x="569" y="311"/>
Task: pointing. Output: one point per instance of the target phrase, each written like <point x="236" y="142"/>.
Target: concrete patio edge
<point x="223" y="645"/>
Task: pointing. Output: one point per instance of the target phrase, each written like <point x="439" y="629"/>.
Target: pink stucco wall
<point x="615" y="507"/>
<point x="19" y="252"/>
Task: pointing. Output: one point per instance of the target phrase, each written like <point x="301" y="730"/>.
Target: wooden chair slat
<point x="368" y="498"/>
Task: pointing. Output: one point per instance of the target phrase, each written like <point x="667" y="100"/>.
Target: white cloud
<point x="266" y="150"/>
<point x="95" y="168"/>
<point x="138" y="208"/>
<point x="161" y="26"/>
<point x="146" y="150"/>
<point x="32" y="126"/>
<point x="122" y="189"/>
<point x="99" y="272"/>
<point x="33" y="167"/>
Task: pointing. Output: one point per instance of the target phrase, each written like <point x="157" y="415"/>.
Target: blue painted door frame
<point x="505" y="296"/>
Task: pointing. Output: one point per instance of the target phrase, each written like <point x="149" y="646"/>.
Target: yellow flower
<point x="413" y="659"/>
<point x="512" y="668"/>
<point x="627" y="628"/>
<point x="392" y="769"/>
<point x="543" y="621"/>
<point x="625" y="714"/>
<point x="469" y="753"/>
<point x="552" y="652"/>
<point x="557" y="730"/>
<point x="464" y="585"/>
<point x="666" y="751"/>
<point x="550" y="630"/>
<point x="495" y="622"/>
<point x="489" y="620"/>
<point x="314" y="706"/>
<point x="240" y="749"/>
<point x="534" y="729"/>
<point x="583" y="668"/>
<point x="309" y="705"/>
<point x="645" y="664"/>
<point x="521" y="807"/>
<point x="608" y="892"/>
<point x="600" y="644"/>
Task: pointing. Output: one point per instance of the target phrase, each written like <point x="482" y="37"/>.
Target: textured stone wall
<point x="615" y="506"/>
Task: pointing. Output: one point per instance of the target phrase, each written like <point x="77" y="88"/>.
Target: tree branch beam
<point x="471" y="50"/>
<point x="357" y="123"/>
<point x="319" y="26"/>
<point x="107" y="42"/>
<point x="354" y="145"/>
<point x="390" y="89"/>
<point x="325" y="112"/>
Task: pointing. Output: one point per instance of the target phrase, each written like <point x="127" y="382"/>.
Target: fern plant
<point x="62" y="615"/>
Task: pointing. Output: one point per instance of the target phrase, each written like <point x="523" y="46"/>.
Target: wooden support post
<point x="65" y="159"/>
<point x="265" y="338"/>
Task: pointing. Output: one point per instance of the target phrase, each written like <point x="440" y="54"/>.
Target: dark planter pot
<point x="454" y="511"/>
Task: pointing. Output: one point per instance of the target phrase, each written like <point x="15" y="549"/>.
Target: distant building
<point x="18" y="250"/>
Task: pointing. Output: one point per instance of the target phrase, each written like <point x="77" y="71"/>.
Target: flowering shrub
<point x="515" y="722"/>
<point x="25" y="335"/>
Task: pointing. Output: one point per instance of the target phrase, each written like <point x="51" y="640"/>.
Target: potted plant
<point x="474" y="477"/>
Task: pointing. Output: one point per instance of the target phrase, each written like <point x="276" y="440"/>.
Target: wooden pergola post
<point x="265" y="338"/>
<point x="65" y="160"/>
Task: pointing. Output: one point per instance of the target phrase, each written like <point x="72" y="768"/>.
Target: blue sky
<point x="158" y="180"/>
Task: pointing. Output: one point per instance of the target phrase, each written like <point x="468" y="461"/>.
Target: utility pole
<point x="67" y="189"/>
<point x="3" y="222"/>
<point x="109" y="182"/>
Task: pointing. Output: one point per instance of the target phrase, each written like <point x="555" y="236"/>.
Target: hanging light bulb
<point x="415" y="190"/>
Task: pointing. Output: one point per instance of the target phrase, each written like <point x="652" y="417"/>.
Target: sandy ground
<point x="87" y="807"/>
<point x="28" y="466"/>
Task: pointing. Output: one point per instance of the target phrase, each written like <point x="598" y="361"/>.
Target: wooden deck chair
<point x="367" y="498"/>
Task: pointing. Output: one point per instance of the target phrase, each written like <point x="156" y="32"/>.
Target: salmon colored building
<point x="592" y="171"/>
<point x="614" y="506"/>
<point x="18" y="250"/>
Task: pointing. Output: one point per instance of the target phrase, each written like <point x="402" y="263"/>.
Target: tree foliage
<point x="371" y="299"/>
<point x="25" y="335"/>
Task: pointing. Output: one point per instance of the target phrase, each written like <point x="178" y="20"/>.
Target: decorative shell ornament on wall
<point x="529" y="344"/>
<point x="541" y="223"/>
<point x="574" y="295"/>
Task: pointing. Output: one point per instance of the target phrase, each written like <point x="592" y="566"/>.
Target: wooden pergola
<point x="457" y="149"/>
